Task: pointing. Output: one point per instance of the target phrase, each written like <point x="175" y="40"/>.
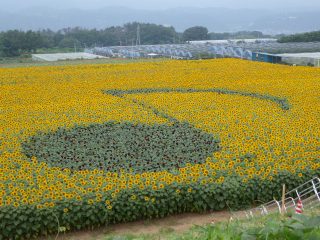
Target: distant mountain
<point x="215" y="19"/>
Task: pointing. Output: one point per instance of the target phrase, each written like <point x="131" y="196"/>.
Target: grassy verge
<point x="271" y="227"/>
<point x="26" y="61"/>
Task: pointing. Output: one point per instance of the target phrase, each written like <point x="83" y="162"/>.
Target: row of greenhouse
<point x="266" y="51"/>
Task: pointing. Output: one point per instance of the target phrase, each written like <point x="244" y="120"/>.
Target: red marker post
<point x="299" y="207"/>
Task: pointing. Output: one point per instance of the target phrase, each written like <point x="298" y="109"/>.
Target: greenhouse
<point x="233" y="49"/>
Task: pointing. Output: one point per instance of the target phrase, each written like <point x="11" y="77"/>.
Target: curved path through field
<point x="177" y="223"/>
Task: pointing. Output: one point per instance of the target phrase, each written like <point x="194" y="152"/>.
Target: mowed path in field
<point x="177" y="223"/>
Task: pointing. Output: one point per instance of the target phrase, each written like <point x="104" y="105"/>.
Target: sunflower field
<point x="91" y="145"/>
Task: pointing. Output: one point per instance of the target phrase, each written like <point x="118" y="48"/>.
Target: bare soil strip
<point x="177" y="223"/>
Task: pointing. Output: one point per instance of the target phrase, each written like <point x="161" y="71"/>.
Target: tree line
<point x="238" y="35"/>
<point x="16" y="42"/>
<point x="301" y="37"/>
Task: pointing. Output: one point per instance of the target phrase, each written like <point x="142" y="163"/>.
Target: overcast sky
<point x="11" y="5"/>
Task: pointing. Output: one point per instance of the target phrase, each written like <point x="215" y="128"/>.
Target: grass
<point x="26" y="61"/>
<point x="271" y="227"/>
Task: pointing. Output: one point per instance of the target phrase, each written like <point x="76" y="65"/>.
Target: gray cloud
<point x="277" y="16"/>
<point x="12" y="5"/>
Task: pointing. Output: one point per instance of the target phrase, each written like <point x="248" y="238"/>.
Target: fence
<point x="308" y="193"/>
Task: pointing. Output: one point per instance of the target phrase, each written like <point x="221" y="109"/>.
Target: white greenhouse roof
<point x="251" y="40"/>
<point x="64" y="56"/>
<point x="315" y="55"/>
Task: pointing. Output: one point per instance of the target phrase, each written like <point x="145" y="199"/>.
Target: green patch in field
<point x="282" y="102"/>
<point x="114" y="146"/>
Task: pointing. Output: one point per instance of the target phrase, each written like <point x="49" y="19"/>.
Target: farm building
<point x="307" y="59"/>
<point x="266" y="57"/>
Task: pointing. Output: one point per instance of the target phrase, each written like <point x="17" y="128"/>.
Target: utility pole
<point x="138" y="40"/>
<point x="132" y="49"/>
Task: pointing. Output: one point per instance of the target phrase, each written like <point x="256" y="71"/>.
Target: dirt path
<point x="177" y="223"/>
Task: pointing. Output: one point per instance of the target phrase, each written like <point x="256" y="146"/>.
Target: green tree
<point x="69" y="42"/>
<point x="11" y="43"/>
<point x="301" y="37"/>
<point x="47" y="36"/>
<point x="31" y="41"/>
<point x="149" y="33"/>
<point x="195" y="33"/>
